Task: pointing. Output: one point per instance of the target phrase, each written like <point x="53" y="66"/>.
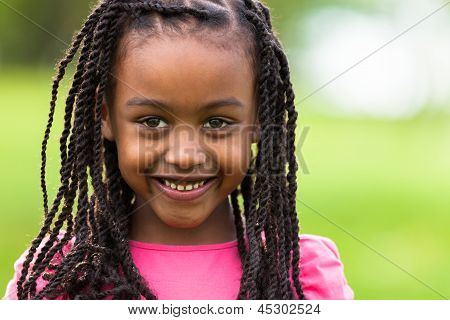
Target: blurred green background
<point x="374" y="143"/>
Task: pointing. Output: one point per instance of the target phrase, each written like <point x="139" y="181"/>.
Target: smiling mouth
<point x="184" y="190"/>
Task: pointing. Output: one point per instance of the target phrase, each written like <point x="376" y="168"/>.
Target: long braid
<point x="65" y="168"/>
<point x="239" y="225"/>
<point x="284" y="222"/>
<point x="274" y="229"/>
<point x="261" y="196"/>
<point x="58" y="225"/>
<point x="283" y="235"/>
<point x="292" y="174"/>
<point x="61" y="71"/>
<point x="291" y="205"/>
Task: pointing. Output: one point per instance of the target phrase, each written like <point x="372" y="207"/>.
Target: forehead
<point x="183" y="68"/>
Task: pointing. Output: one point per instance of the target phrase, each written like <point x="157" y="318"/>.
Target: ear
<point x="106" y="123"/>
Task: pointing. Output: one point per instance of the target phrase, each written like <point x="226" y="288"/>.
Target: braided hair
<point x="99" y="263"/>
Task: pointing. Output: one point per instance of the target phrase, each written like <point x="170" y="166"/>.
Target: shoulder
<point x="321" y="269"/>
<point x="11" y="288"/>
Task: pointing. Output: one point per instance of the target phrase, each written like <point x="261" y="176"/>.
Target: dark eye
<point x="216" y="123"/>
<point x="153" y="122"/>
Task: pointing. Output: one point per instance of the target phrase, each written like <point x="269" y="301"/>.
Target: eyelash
<point x="143" y="121"/>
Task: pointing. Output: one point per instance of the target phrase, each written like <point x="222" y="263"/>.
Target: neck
<point x="145" y="226"/>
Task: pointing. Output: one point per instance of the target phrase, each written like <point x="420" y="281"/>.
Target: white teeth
<point x="188" y="187"/>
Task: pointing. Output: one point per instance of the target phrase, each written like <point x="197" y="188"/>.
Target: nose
<point x="185" y="150"/>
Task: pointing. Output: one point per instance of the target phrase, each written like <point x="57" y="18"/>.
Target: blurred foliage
<point x="25" y="28"/>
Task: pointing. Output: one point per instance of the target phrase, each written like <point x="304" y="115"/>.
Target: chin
<point x="182" y="222"/>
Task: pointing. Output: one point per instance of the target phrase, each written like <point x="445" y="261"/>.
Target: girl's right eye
<point x="153" y="122"/>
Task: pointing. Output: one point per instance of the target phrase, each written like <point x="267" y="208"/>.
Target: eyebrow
<point x="139" y="101"/>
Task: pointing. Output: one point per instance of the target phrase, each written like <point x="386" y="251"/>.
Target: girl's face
<point x="182" y="109"/>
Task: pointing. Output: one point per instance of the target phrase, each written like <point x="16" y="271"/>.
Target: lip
<point x="184" y="195"/>
<point x="183" y="178"/>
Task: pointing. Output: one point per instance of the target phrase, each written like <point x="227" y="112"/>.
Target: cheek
<point x="129" y="162"/>
<point x="135" y="155"/>
<point x="233" y="159"/>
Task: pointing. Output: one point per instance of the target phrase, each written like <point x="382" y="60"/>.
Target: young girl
<point x="167" y="102"/>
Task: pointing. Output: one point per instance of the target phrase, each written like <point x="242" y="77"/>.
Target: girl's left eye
<point x="216" y="123"/>
<point x="153" y="122"/>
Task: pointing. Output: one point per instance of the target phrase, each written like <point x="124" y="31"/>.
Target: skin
<point x="186" y="74"/>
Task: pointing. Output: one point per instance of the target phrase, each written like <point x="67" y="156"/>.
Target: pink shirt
<point x="213" y="271"/>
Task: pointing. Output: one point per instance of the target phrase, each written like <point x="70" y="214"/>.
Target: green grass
<point x="379" y="189"/>
<point x="386" y="184"/>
